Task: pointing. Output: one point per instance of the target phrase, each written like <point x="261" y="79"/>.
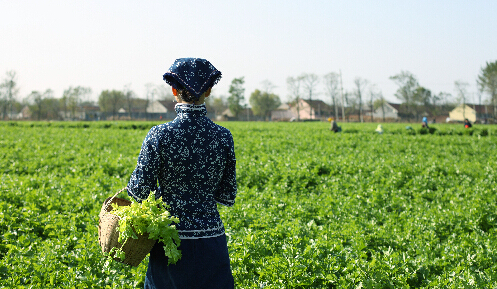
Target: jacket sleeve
<point x="226" y="193"/>
<point x="144" y="178"/>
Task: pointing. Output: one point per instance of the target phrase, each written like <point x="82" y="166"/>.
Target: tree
<point x="293" y="85"/>
<point x="421" y="100"/>
<point x="310" y="81"/>
<point x="331" y="83"/>
<point x="380" y="102"/>
<point x="487" y="81"/>
<point x="218" y="105"/>
<point x="351" y="102"/>
<point x="71" y="98"/>
<point x="9" y="92"/>
<point x="263" y="103"/>
<point x="360" y="84"/>
<point x="44" y="105"/>
<point x="267" y="86"/>
<point x="129" y="95"/>
<point x="236" y="92"/>
<point x="374" y="94"/>
<point x="462" y="94"/>
<point x="38" y="101"/>
<point x="111" y="101"/>
<point x="407" y="84"/>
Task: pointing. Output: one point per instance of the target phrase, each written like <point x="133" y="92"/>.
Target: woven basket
<point x="135" y="250"/>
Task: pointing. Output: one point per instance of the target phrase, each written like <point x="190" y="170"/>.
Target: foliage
<point x="314" y="209"/>
<point x="263" y="103"/>
<point x="407" y="83"/>
<point x="217" y="105"/>
<point x="487" y="80"/>
<point x="148" y="217"/>
<point x="111" y="101"/>
<point x="236" y="96"/>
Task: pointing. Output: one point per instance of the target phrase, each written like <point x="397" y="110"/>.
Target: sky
<point x="111" y="44"/>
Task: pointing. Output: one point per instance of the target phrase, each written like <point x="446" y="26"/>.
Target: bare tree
<point x="151" y="90"/>
<point x="331" y="82"/>
<point x="374" y="94"/>
<point x="71" y="99"/>
<point x="462" y="94"/>
<point x="360" y="85"/>
<point x="10" y="91"/>
<point x="164" y="92"/>
<point x="351" y="102"/>
<point x="129" y="95"/>
<point x="293" y="84"/>
<point x="310" y="82"/>
<point x="380" y="102"/>
<point x="267" y="86"/>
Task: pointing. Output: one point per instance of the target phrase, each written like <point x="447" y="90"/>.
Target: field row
<point x="314" y="209"/>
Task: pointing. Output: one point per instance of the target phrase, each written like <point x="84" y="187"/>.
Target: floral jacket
<point x="190" y="161"/>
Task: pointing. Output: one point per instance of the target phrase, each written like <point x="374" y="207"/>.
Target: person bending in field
<point x="193" y="161"/>
<point x="467" y="124"/>
<point x="424" y="122"/>
<point x="334" y="126"/>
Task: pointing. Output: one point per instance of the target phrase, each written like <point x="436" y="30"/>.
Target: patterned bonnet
<point x="194" y="74"/>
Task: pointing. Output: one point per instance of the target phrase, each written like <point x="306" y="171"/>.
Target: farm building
<point x="472" y="112"/>
<point x="388" y="111"/>
<point x="462" y="112"/>
<point x="282" y="113"/>
<point x="311" y="109"/>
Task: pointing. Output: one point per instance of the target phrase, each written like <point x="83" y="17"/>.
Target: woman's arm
<point x="144" y="177"/>
<point x="226" y="193"/>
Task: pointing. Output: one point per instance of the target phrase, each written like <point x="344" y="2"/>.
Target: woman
<point x="193" y="161"/>
<point x="424" y="122"/>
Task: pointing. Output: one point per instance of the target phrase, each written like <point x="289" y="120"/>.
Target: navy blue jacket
<point x="190" y="161"/>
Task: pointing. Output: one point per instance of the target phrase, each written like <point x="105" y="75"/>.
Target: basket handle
<point x="112" y="198"/>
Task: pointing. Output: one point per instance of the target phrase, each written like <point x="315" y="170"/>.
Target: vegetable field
<point x="315" y="209"/>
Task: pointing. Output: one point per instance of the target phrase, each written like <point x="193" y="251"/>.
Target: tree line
<point x="364" y="96"/>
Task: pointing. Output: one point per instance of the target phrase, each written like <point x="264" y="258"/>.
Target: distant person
<point x="467" y="124"/>
<point x="379" y="129"/>
<point x="424" y="122"/>
<point x="334" y="126"/>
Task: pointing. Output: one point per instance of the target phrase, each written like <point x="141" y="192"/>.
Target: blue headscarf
<point x="193" y="74"/>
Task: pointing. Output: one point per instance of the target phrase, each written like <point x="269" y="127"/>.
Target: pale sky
<point x="110" y="44"/>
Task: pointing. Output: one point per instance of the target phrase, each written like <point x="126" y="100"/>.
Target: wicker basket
<point x="135" y="249"/>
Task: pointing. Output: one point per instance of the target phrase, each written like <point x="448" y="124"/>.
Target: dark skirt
<point x="204" y="264"/>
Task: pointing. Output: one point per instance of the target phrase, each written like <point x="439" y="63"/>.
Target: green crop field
<point x="315" y="209"/>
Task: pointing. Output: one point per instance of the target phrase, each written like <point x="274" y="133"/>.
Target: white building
<point x="390" y="110"/>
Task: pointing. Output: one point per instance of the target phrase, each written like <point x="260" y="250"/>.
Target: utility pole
<point x="341" y="94"/>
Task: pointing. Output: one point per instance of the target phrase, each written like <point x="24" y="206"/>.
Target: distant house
<point x="90" y="112"/>
<point x="462" y="112"/>
<point x="472" y="112"/>
<point x="157" y="107"/>
<point x="283" y="113"/>
<point x="391" y="111"/>
<point x="311" y="109"/>
<point x="25" y="113"/>
<point x="246" y="114"/>
<point x="483" y="111"/>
